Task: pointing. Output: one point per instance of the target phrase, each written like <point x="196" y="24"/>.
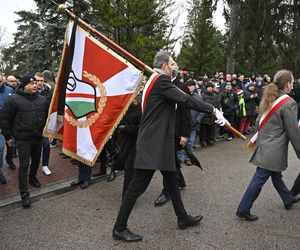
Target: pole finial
<point x="62" y="7"/>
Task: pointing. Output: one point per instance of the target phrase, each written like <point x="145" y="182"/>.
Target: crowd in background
<point x="237" y="96"/>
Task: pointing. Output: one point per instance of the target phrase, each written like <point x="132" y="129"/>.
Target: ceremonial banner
<point x="95" y="86"/>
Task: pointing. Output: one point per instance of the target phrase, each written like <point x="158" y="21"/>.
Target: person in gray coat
<point x="271" y="150"/>
<point x="155" y="144"/>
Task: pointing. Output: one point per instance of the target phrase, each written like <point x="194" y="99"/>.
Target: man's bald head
<point x="12" y="81"/>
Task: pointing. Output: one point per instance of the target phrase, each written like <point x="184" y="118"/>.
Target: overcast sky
<point x="8" y="7"/>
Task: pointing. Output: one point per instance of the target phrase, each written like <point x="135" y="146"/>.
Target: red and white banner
<point x="100" y="87"/>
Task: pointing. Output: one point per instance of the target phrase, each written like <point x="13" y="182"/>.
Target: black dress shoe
<point x="247" y="216"/>
<point x="181" y="184"/>
<point x="76" y="183"/>
<point x="297" y="199"/>
<point x="33" y="181"/>
<point x="126" y="235"/>
<point x="25" y="200"/>
<point x="2" y="179"/>
<point x="161" y="200"/>
<point x="85" y="184"/>
<point x="189" y="221"/>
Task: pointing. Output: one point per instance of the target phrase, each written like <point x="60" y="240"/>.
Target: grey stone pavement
<point x="83" y="219"/>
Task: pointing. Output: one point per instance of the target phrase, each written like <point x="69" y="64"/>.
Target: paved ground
<point x="83" y="219"/>
<point x="61" y="167"/>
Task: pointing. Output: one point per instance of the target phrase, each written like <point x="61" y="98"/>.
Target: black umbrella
<point x="193" y="158"/>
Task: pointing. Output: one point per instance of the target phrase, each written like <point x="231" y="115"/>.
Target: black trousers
<point x="129" y="169"/>
<point x="10" y="150"/>
<point x="29" y="153"/>
<point x="180" y="178"/>
<point x="296" y="187"/>
<point x="138" y="186"/>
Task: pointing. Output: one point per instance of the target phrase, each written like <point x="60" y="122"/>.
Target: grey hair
<point x="161" y="57"/>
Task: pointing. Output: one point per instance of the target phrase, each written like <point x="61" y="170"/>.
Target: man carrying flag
<point x="155" y="144"/>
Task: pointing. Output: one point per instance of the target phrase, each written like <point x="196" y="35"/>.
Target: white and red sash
<point x="147" y="89"/>
<point x="266" y="116"/>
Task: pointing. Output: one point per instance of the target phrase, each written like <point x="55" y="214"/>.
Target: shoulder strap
<point x="266" y="116"/>
<point x="147" y="89"/>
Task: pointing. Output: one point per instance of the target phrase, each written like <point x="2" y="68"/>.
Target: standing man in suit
<point x="155" y="144"/>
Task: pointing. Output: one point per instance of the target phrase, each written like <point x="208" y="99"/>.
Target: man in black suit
<point x="155" y="144"/>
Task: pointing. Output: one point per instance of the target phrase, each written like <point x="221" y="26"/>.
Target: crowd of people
<point x="158" y="132"/>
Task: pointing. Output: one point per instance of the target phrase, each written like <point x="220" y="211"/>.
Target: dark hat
<point x="190" y="82"/>
<point x="249" y="84"/>
<point x="217" y="85"/>
<point x="27" y="79"/>
<point x="209" y="84"/>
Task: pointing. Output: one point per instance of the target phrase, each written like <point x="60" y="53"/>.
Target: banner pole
<point x="119" y="49"/>
<point x="112" y="44"/>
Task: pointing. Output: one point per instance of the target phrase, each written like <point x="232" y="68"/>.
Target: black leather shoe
<point x="181" y="184"/>
<point x="126" y="235"/>
<point x="297" y="199"/>
<point x="25" y="200"/>
<point x="247" y="216"/>
<point x="76" y="183"/>
<point x="2" y="179"/>
<point x="161" y="200"/>
<point x="33" y="181"/>
<point x="189" y="221"/>
<point x="85" y="184"/>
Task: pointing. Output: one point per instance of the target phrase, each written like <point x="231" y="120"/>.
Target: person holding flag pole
<point x="155" y="142"/>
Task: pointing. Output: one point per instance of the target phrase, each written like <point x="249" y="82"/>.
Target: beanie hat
<point x="217" y="85"/>
<point x="48" y="76"/>
<point x="190" y="82"/>
<point x="27" y="79"/>
<point x="239" y="92"/>
<point x="209" y="84"/>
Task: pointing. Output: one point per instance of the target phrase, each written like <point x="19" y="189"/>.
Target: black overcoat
<point x="155" y="142"/>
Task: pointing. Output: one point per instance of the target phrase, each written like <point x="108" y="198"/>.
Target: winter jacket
<point x="5" y="92"/>
<point x="196" y="116"/>
<point x="23" y="116"/>
<point x="251" y="103"/>
<point x="229" y="102"/>
<point x="272" y="144"/>
<point x="213" y="99"/>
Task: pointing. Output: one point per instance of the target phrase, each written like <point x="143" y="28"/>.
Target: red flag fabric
<point x="100" y="87"/>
